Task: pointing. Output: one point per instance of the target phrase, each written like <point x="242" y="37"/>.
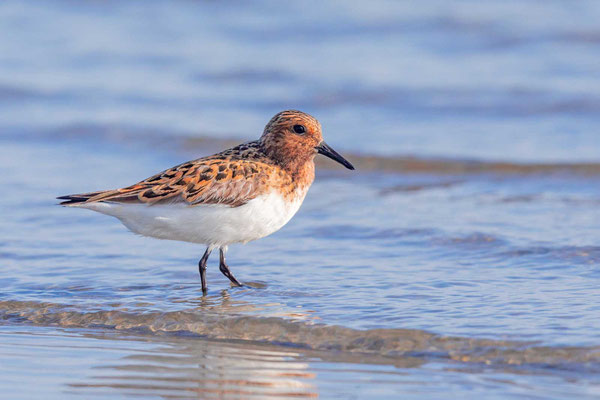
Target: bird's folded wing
<point x="204" y="181"/>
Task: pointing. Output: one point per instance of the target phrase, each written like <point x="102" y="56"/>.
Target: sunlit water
<point x="129" y="366"/>
<point x="503" y="257"/>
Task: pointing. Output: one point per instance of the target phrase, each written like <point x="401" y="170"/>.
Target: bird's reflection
<point x="207" y="369"/>
<point x="230" y="302"/>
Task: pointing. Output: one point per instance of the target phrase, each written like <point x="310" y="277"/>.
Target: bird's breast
<point x="268" y="213"/>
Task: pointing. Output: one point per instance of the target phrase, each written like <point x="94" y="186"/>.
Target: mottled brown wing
<point x="205" y="181"/>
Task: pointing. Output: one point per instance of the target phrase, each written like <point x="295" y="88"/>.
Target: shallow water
<point x="91" y="364"/>
<point x="467" y="238"/>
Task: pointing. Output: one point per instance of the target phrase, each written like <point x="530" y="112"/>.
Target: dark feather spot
<point x="150" y="194"/>
<point x="220" y="176"/>
<point x="154" y="178"/>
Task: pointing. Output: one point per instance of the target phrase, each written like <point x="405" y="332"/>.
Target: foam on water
<point x="391" y="343"/>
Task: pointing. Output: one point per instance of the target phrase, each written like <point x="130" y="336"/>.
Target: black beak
<point x="327" y="151"/>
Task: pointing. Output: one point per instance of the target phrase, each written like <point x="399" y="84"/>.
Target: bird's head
<point x="294" y="136"/>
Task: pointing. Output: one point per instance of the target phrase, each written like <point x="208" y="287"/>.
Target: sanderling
<point x="235" y="196"/>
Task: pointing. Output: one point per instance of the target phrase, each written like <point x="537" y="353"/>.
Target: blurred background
<point x="468" y="233"/>
<point x="509" y="80"/>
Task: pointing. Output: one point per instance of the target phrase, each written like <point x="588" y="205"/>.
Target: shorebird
<point x="241" y="194"/>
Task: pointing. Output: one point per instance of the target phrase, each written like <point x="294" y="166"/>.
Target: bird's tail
<point x="125" y="195"/>
<point x="75" y="199"/>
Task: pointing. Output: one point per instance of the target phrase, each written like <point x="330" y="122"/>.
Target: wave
<point x="193" y="145"/>
<point x="465" y="166"/>
<point x="389" y="343"/>
<point x="413" y="163"/>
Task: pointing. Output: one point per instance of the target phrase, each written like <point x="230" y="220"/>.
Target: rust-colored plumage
<point x="279" y="159"/>
<point x="224" y="178"/>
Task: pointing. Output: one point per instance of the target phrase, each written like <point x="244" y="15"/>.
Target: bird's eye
<point x="299" y="129"/>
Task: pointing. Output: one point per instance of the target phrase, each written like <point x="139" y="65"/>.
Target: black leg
<point x="225" y="269"/>
<point x="202" y="268"/>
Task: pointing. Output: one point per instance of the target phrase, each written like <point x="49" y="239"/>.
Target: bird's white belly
<point x="213" y="224"/>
